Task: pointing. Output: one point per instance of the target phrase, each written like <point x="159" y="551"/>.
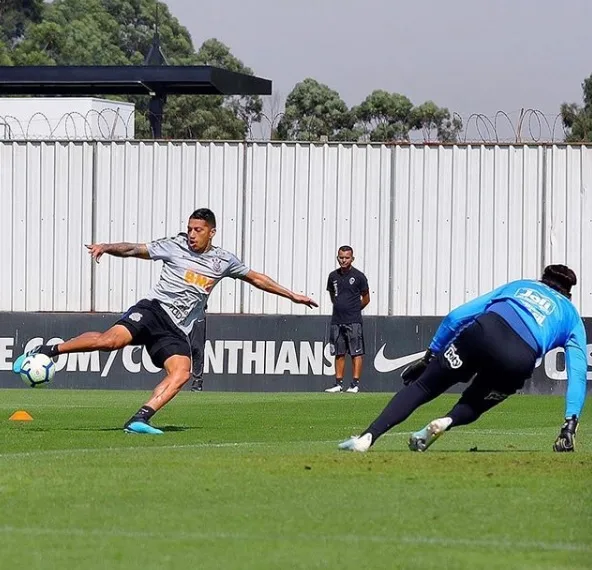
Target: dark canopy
<point x="129" y="80"/>
<point x="158" y="81"/>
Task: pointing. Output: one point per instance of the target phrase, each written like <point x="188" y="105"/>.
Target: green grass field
<point x="255" y="481"/>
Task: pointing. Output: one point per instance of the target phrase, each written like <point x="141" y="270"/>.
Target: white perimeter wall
<point x="431" y="226"/>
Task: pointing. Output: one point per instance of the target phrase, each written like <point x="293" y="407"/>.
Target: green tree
<point x="385" y="116"/>
<point x="4" y="55"/>
<point x="137" y="20"/>
<point x="433" y="120"/>
<point x="73" y="32"/>
<point x="313" y="110"/>
<point x="15" y="16"/>
<point x="577" y="119"/>
<point x="202" y="117"/>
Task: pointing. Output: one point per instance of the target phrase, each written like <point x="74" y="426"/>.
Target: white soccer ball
<point x="37" y="370"/>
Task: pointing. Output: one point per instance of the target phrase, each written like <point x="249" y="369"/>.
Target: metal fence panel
<point x="569" y="216"/>
<point x="45" y="220"/>
<point x="303" y="202"/>
<point x="465" y="220"/>
<point x="146" y="191"/>
<point x="431" y="226"/>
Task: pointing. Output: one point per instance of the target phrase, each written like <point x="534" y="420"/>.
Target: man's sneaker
<point x="197" y="386"/>
<point x="360" y="443"/>
<point x="337" y="388"/>
<point x="353" y="389"/>
<point x="141" y="427"/>
<point x="422" y="439"/>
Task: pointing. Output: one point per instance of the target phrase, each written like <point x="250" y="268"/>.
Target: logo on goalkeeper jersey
<point x="452" y="357"/>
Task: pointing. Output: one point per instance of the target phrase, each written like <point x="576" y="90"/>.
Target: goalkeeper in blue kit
<point x="493" y="343"/>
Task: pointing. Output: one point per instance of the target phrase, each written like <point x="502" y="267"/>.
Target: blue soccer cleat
<point x="142" y="427"/>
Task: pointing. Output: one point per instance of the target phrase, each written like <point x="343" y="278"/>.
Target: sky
<point x="472" y="56"/>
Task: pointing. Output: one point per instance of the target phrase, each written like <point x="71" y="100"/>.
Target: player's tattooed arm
<point x="124" y="249"/>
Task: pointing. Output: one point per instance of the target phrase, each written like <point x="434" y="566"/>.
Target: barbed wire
<point x="108" y="124"/>
<point x="526" y="126"/>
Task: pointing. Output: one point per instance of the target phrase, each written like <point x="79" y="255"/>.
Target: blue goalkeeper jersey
<point x="551" y="320"/>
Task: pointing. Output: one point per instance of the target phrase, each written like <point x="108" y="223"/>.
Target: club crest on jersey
<point x="352" y="280"/>
<point x="136" y="317"/>
<point x="452" y="357"/>
<point x="217" y="264"/>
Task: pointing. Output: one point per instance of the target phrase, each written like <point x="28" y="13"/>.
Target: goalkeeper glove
<point x="566" y="440"/>
<point x="412" y="372"/>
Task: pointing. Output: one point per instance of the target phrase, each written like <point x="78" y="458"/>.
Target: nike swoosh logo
<point x="384" y="364"/>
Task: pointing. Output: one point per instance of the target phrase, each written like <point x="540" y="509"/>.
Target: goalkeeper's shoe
<point x="422" y="439"/>
<point x="360" y="443"/>
<point x="141" y="427"/>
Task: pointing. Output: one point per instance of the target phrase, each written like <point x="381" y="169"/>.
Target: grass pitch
<point x="254" y="481"/>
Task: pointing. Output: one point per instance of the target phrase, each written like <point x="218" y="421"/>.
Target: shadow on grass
<point x="457" y="451"/>
<point x="105" y="429"/>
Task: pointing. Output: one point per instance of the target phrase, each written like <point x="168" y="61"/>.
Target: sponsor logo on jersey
<point x="204" y="283"/>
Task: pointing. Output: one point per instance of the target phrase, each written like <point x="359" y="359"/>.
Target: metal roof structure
<point x="128" y="80"/>
<point x="157" y="81"/>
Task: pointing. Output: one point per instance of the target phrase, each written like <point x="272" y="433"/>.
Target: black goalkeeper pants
<point x="488" y="353"/>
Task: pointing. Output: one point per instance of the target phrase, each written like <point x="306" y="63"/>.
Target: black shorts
<point x="346" y="339"/>
<point x="150" y="326"/>
<point x="488" y="352"/>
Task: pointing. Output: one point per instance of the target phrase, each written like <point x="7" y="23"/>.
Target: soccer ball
<point x="37" y="370"/>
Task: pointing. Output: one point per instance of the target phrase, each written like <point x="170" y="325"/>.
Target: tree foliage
<point x="385" y="116"/>
<point x="433" y="120"/>
<point x="577" y="119"/>
<point x="314" y="111"/>
<point x="5" y="58"/>
<point x="15" y="16"/>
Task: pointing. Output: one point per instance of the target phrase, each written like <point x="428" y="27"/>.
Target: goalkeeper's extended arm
<point x="576" y="365"/>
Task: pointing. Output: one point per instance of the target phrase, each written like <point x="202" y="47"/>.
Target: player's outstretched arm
<point x="139" y="250"/>
<point x="266" y="283"/>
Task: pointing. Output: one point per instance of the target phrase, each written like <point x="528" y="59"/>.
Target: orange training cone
<point x="22" y="416"/>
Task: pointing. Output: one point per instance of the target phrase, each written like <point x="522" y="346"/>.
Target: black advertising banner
<point x="247" y="353"/>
